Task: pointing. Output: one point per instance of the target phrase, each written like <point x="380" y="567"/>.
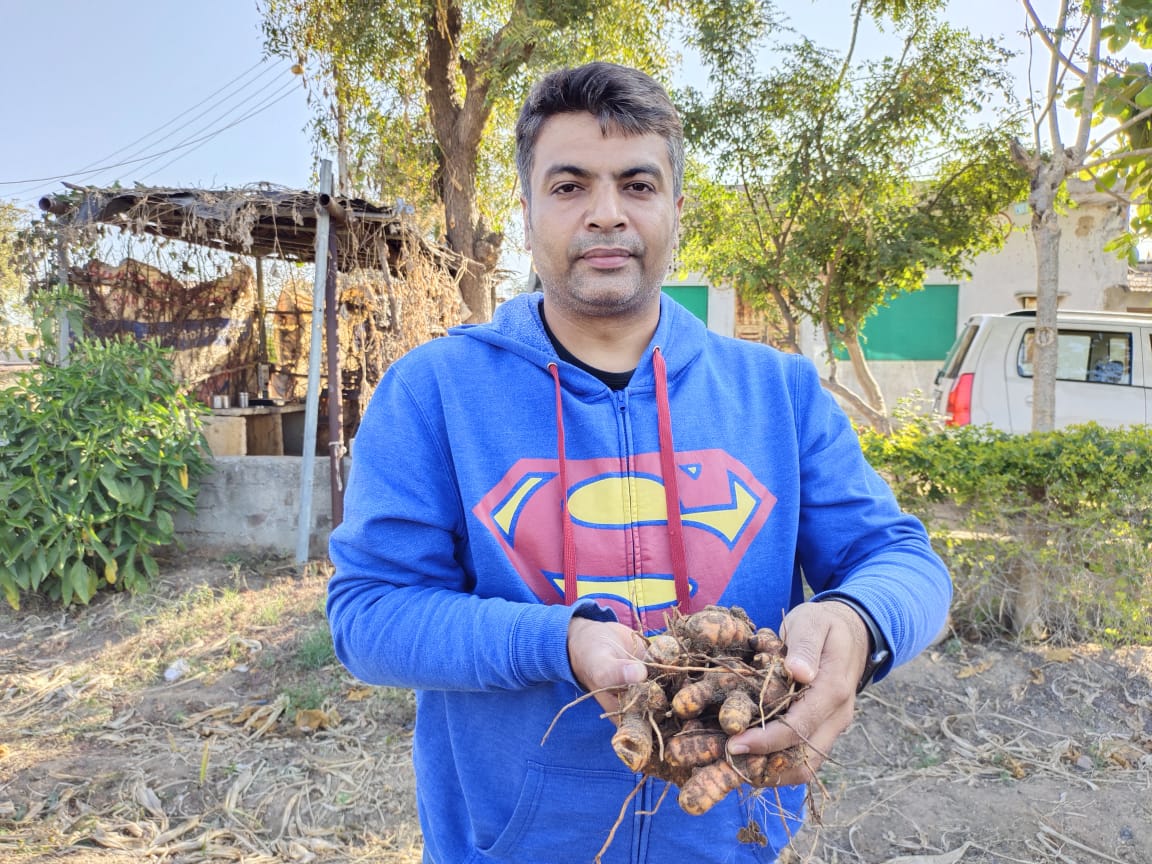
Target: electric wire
<point x="147" y="135"/>
<point x="199" y="136"/>
<point x="206" y="132"/>
<point x="283" y="94"/>
<point x="202" y="128"/>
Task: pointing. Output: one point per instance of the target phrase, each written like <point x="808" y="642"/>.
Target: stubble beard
<point x="586" y="291"/>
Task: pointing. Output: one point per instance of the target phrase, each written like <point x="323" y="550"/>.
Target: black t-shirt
<point x="614" y="380"/>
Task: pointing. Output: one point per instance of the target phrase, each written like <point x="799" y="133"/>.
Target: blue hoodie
<point x="459" y="565"/>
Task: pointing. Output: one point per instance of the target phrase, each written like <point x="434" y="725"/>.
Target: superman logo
<point x="620" y="518"/>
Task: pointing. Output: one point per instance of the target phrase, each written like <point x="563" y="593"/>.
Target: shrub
<point x="98" y="455"/>
<point x="1045" y="533"/>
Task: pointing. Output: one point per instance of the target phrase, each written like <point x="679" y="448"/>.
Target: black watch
<point x="878" y="653"/>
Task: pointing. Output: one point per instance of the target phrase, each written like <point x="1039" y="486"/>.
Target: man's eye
<point x="641" y="187"/>
<point x="564" y="188"/>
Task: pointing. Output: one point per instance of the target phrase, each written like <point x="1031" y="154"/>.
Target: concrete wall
<point x="722" y="309"/>
<point x="1089" y="277"/>
<point x="253" y="502"/>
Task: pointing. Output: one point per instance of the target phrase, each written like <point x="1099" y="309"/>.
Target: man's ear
<point x="524" y="214"/>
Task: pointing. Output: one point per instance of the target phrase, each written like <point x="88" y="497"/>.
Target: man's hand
<point x="605" y="654"/>
<point x="827" y="650"/>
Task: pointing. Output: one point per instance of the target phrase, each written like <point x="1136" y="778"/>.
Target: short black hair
<point x="625" y="100"/>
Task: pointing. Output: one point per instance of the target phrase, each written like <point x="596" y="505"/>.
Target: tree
<point x="1105" y="92"/>
<point x="418" y="97"/>
<point x="837" y="185"/>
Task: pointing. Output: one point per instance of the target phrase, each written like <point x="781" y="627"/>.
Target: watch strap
<point x="878" y="652"/>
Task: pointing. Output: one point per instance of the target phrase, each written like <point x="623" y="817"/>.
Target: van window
<point x="1099" y="357"/>
<point x="951" y="367"/>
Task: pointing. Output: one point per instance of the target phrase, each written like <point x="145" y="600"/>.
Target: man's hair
<point x="626" y="101"/>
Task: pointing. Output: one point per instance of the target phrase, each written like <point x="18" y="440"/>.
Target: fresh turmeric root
<point x="714" y="630"/>
<point x="712" y="674"/>
<point x="737" y="712"/>
<point x="694" y="748"/>
<point x="633" y="739"/>
<point x="710" y="784"/>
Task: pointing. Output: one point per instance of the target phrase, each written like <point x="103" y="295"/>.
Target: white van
<point x="1103" y="375"/>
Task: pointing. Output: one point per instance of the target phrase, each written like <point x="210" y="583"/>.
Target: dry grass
<point x="264" y="750"/>
<point x="207" y="721"/>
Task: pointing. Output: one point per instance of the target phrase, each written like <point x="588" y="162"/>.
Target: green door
<point x="694" y="298"/>
<point x="919" y="325"/>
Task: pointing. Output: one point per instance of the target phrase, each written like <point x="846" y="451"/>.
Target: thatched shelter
<point x="384" y="289"/>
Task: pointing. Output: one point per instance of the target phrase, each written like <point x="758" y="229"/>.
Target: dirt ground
<point x="208" y="721"/>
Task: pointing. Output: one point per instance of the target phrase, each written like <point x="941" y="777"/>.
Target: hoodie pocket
<point x="565" y="814"/>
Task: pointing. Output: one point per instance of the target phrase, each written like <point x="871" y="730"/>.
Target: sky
<point x="178" y="93"/>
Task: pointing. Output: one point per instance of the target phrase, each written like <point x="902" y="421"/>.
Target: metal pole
<point x="312" y="399"/>
<point x="335" y="388"/>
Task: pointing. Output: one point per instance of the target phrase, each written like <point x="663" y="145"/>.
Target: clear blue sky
<point x="82" y="80"/>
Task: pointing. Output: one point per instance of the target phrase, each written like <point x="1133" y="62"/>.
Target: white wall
<point x="1090" y="278"/>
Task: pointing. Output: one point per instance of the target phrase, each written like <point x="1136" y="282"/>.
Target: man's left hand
<point x="827" y="650"/>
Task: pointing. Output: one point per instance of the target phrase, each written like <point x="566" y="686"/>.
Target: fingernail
<point x="801" y="669"/>
<point x="634" y="673"/>
<point x="737" y="749"/>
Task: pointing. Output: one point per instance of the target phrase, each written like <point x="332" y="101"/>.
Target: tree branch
<point x="1047" y="40"/>
<point x="1091" y="83"/>
<point x="1143" y="116"/>
<point x="1115" y="157"/>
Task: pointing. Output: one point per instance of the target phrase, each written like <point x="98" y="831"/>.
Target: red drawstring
<point x="671" y="491"/>
<point x="570" y="588"/>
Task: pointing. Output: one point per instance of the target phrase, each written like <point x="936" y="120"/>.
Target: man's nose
<point x="605" y="210"/>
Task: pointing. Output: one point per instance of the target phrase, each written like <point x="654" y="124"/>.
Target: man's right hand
<point x="605" y="656"/>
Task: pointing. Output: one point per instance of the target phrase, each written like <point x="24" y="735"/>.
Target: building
<point x="907" y="341"/>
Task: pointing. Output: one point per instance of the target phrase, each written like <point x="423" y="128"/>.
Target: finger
<point x="604" y="654"/>
<point x="816" y="718"/>
<point x="804" y="636"/>
<point x="815" y="749"/>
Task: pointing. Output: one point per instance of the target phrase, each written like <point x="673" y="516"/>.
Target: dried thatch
<point x="395" y="288"/>
<point x="263" y="221"/>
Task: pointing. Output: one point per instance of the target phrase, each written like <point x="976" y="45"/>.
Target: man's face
<point x="602" y="221"/>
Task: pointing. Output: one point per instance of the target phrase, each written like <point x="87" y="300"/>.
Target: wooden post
<point x="262" y="313"/>
<point x="335" y="388"/>
<point x="64" y="325"/>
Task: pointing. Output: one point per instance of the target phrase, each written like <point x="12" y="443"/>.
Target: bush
<point x="1045" y="533"/>
<point x="98" y="456"/>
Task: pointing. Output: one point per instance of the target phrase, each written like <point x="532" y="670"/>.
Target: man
<point x="530" y="496"/>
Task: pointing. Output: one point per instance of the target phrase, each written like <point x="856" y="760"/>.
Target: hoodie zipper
<point x="632" y="544"/>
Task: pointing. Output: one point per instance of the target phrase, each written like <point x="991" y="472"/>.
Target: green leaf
<point x="165" y="524"/>
<point x="111" y="482"/>
<point x="1144" y="97"/>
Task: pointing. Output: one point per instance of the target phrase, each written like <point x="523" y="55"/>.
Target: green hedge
<point x="98" y="456"/>
<point x="1045" y="533"/>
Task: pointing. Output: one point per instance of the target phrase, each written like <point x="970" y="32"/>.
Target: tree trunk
<point x="867" y="381"/>
<point x="458" y="124"/>
<point x="343" y="186"/>
<point x="460" y="234"/>
<point x="877" y="417"/>
<point x="1047" y="180"/>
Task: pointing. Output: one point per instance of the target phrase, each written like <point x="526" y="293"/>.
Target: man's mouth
<point x="607" y="258"/>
